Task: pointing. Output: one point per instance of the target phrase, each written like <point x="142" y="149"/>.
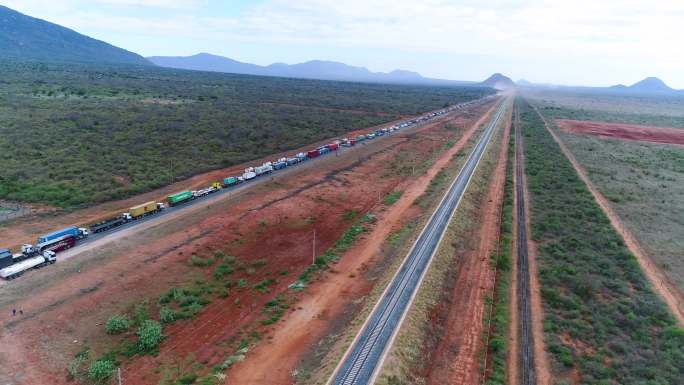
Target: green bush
<point x="166" y="315"/>
<point x="101" y="371"/>
<point x="117" y="324"/>
<point x="602" y="318"/>
<point x="393" y="197"/>
<point x="149" y="336"/>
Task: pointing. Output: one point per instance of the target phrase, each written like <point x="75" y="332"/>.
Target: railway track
<point x="526" y="340"/>
<point x="361" y="362"/>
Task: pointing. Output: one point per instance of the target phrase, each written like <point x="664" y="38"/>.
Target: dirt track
<point x="667" y="291"/>
<point x="624" y="131"/>
<point x="70" y="301"/>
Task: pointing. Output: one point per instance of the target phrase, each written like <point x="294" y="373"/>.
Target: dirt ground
<point x="70" y="302"/>
<point x="663" y="286"/>
<point x="273" y="363"/>
<point x="457" y="358"/>
<point x="624" y="131"/>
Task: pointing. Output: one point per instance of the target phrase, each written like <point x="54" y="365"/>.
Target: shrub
<point x="392" y="197"/>
<point x="166" y="315"/>
<point x="101" y="371"/>
<point x="117" y="324"/>
<point x="149" y="336"/>
<point x="222" y="270"/>
<point x="201" y="262"/>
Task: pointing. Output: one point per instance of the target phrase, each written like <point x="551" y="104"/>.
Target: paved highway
<point x="364" y="357"/>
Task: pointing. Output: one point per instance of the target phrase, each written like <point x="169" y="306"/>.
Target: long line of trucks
<point x="48" y="245"/>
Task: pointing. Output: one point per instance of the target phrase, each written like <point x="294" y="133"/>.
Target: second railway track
<point x="526" y="341"/>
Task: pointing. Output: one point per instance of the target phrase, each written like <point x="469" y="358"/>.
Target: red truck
<point x="62" y="244"/>
<point x="333" y="146"/>
<point x="313" y="153"/>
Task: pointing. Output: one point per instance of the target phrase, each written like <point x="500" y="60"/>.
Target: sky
<point x="579" y="42"/>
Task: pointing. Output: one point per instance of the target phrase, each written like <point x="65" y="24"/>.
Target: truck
<point x="73" y="231"/>
<point x="333" y="146"/>
<point x="323" y="150"/>
<point x="313" y="154"/>
<point x="293" y="161"/>
<point x="57" y="245"/>
<point x="264" y="168"/>
<point x="6" y="258"/>
<point x="107" y="224"/>
<point x="279" y="165"/>
<point x="142" y="210"/>
<point x="17" y="269"/>
<point x="361" y="138"/>
<point x="301" y="156"/>
<point x="231" y="180"/>
<point x="215" y="186"/>
<point x="248" y="175"/>
<point x="178" y="198"/>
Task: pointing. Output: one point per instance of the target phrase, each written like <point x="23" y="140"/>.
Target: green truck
<point x="231" y="180"/>
<point x="178" y="198"/>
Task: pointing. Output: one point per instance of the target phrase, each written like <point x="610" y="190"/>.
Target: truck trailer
<point x="107" y="224"/>
<point x="178" y="198"/>
<point x="57" y="245"/>
<point x="142" y="210"/>
<point x="73" y="231"/>
<point x="231" y="180"/>
<point x="17" y="269"/>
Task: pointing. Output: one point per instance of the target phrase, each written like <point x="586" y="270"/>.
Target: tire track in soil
<point x="673" y="298"/>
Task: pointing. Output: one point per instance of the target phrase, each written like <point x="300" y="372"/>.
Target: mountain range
<point x="24" y="37"/>
<point x="314" y="69"/>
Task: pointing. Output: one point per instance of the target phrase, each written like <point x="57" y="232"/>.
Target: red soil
<point x="273" y="363"/>
<point x="65" y="306"/>
<point x="624" y="131"/>
<point x="457" y="357"/>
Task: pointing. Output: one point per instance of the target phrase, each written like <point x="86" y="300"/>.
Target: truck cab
<point x="50" y="256"/>
<point x="83" y="232"/>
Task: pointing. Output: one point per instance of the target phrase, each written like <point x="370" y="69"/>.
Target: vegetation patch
<point x="499" y="320"/>
<point x="392" y="197"/>
<point x="603" y="321"/>
<point x="74" y="135"/>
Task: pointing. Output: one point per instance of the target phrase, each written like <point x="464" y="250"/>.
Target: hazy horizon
<point x="584" y="43"/>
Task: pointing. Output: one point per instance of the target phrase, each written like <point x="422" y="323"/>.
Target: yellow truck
<point x="138" y="211"/>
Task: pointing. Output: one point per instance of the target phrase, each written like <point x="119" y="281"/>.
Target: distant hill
<point x="314" y="69"/>
<point x="498" y="81"/>
<point x="650" y="84"/>
<point x="24" y="37"/>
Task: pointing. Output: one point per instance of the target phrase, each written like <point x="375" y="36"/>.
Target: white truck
<point x="17" y="269"/>
<point x="264" y="168"/>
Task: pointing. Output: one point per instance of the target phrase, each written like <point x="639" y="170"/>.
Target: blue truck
<point x="71" y="231"/>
